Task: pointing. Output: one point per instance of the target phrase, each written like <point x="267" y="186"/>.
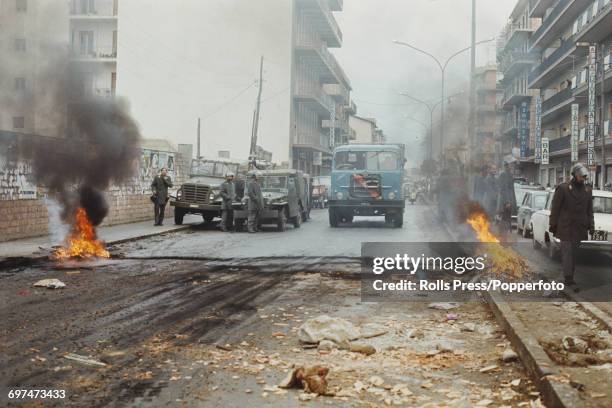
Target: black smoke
<point x="95" y="144"/>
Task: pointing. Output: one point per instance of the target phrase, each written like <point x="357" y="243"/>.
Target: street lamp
<point x="442" y="67"/>
<point x="432" y="107"/>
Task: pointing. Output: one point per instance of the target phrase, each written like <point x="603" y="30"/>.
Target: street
<point x="222" y="330"/>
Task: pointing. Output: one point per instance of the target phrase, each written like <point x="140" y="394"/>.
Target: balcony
<point x="98" y="54"/>
<point x="555" y="62"/>
<point x="337" y="91"/>
<point x="538" y="8"/>
<point x="351" y="108"/>
<point x="558" y="103"/>
<point x="561" y="17"/>
<point x="513" y="35"/>
<point x="312" y="95"/>
<point x="580" y="82"/>
<point x="101" y="10"/>
<point x="510" y="125"/>
<point x="598" y="29"/>
<point x="312" y="140"/>
<point x="321" y="15"/>
<point x="319" y="56"/>
<point x="514" y="62"/>
<point x="513" y="98"/>
<point x="339" y="124"/>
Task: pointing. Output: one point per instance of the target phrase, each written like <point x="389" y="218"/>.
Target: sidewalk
<point x="110" y="235"/>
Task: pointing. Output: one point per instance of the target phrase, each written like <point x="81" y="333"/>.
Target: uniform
<point x="256" y="203"/>
<point x="160" y="186"/>
<point x="571" y="219"/>
<point x="228" y="194"/>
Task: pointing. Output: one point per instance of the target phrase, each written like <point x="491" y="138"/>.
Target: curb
<point x="592" y="310"/>
<point x="17" y="261"/>
<point x="537" y="363"/>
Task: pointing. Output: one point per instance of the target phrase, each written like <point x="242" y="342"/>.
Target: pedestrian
<point x="491" y="192"/>
<point x="228" y="196"/>
<point x="479" y="185"/>
<point x="506" y="205"/>
<point x="571" y="217"/>
<point x="160" y="197"/>
<point x="256" y="203"/>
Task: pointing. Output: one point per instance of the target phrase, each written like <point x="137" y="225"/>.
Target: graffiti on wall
<point x="151" y="162"/>
<point x="16" y="180"/>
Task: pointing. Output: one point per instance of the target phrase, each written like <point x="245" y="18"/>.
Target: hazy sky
<point x="167" y="73"/>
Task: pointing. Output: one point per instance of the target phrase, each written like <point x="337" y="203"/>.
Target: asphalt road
<point x="315" y="238"/>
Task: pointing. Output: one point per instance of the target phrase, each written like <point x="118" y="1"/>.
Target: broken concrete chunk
<point x="574" y="344"/>
<point x="50" y="284"/>
<point x="323" y="327"/>
<point x="366" y="349"/>
<point x="443" y="305"/>
<point x="370" y="330"/>
<point x="327" y="345"/>
<point x="84" y="360"/>
<point x="509" y="355"/>
<point x="376" y="381"/>
<point x="488" y="368"/>
<point x="310" y="379"/>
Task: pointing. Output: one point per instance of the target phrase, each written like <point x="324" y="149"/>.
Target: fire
<point x="83" y="242"/>
<point x="480" y="224"/>
<point x="502" y="260"/>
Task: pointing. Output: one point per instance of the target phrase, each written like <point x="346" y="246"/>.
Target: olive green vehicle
<point x="286" y="195"/>
<point x="200" y="194"/>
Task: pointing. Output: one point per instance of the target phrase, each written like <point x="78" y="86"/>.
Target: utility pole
<point x="198" y="153"/>
<point x="472" y="118"/>
<point x="604" y="132"/>
<point x="256" y="116"/>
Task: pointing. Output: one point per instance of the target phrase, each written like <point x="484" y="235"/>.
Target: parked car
<point x="520" y="189"/>
<point x="602" y="212"/>
<point x="532" y="202"/>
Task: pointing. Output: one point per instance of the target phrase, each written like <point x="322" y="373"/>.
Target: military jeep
<point x="286" y="196"/>
<point x="200" y="194"/>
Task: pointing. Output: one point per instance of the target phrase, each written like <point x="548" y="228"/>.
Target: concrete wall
<point x="364" y="130"/>
<point x="24" y="208"/>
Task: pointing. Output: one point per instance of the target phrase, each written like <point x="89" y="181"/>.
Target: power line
<point x="224" y="104"/>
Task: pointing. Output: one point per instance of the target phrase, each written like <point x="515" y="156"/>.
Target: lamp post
<point x="432" y="107"/>
<point x="442" y="67"/>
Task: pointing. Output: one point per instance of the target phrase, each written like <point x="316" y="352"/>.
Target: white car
<point x="602" y="212"/>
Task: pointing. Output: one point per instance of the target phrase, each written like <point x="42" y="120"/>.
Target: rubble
<point x="84" y="360"/>
<point x="310" y="379"/>
<point x="50" y="284"/>
<point x="575" y="344"/>
<point x="509" y="355"/>
<point x="323" y="327"/>
<point x="443" y="305"/>
<point x="362" y="348"/>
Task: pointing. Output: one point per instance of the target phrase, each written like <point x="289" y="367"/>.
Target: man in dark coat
<point x="491" y="192"/>
<point x="479" y="185"/>
<point x="571" y="217"/>
<point x="159" y="186"/>
<point x="506" y="204"/>
<point x="228" y="195"/>
<point x="256" y="203"/>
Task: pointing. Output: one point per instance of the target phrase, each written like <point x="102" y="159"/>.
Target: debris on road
<point x="84" y="360"/>
<point x="50" y="284"/>
<point x="443" y="305"/>
<point x="310" y="379"/>
<point x="323" y="327"/>
<point x="366" y="349"/>
<point x="509" y="355"/>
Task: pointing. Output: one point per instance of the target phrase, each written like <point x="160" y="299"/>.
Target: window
<point x="602" y="205"/>
<point x="20" y="44"/>
<point x="539" y="201"/>
<point x="18" y="122"/>
<point x="87" y="7"/>
<point x="20" y="84"/>
<point x="86" y="42"/>
<point x="21" y="6"/>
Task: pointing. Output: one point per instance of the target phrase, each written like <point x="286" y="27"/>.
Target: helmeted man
<point x="228" y="195"/>
<point x="571" y="217"/>
<point x="256" y="202"/>
<point x="159" y="186"/>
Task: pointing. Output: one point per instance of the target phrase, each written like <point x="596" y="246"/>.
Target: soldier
<point x="159" y="186"/>
<point x="256" y="203"/>
<point x="228" y="195"/>
<point x="571" y="217"/>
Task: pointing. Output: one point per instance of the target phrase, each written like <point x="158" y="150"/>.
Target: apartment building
<point x="561" y="75"/>
<point x="366" y="130"/>
<point x="93" y="45"/>
<point x="514" y="62"/>
<point x="29" y="32"/>
<point x="486" y="145"/>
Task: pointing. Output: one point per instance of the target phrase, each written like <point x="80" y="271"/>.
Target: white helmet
<point x="579" y="169"/>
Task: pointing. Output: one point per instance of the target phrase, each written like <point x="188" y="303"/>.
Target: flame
<point x="480" y="225"/>
<point x="83" y="242"/>
<point x="502" y="260"/>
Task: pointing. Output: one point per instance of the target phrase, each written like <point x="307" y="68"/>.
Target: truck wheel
<point x="333" y="217"/>
<point x="178" y="216"/>
<point x="398" y="221"/>
<point x="238" y="225"/>
<point x="297" y="221"/>
<point x="281" y="223"/>
<point x="208" y="218"/>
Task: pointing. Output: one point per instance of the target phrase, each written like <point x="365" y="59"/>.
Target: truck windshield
<point x="602" y="205"/>
<point x="211" y="168"/>
<point x="363" y="160"/>
<point x="274" y="182"/>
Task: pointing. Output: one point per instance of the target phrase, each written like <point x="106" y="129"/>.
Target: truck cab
<point x="200" y="194"/>
<point x="367" y="180"/>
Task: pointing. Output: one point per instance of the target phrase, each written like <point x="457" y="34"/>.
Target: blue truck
<point x="367" y="179"/>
